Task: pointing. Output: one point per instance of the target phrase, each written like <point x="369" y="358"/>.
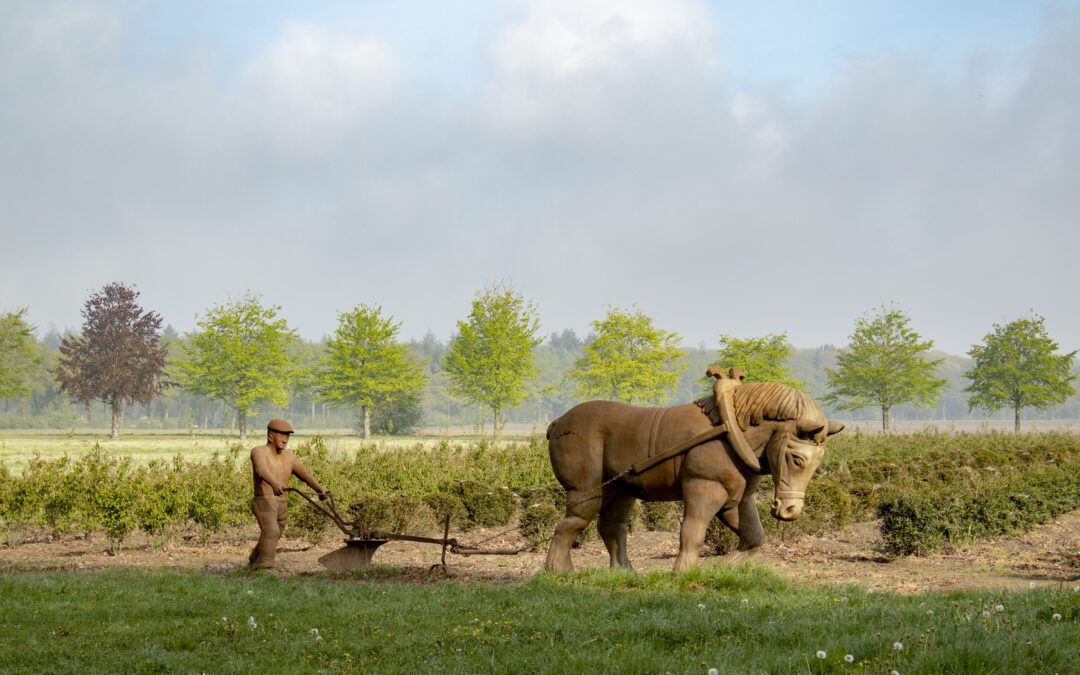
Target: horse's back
<point x="579" y="439"/>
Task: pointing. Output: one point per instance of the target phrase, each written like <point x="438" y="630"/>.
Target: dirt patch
<point x="1048" y="555"/>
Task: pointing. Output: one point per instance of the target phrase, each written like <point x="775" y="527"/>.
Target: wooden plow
<point x="361" y="542"/>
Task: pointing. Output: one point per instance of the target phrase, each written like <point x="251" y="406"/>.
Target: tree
<point x="19" y="355"/>
<point x="364" y="365"/>
<point x="239" y="355"/>
<point x="884" y="365"/>
<point x="1016" y="366"/>
<point x="763" y="359"/>
<point x="118" y="357"/>
<point x="490" y="361"/>
<point x="629" y="360"/>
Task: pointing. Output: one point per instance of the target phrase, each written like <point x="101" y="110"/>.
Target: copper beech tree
<point x="118" y="357"/>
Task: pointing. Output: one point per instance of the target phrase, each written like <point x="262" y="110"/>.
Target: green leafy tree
<point x="763" y="359"/>
<point x="630" y="360"/>
<point x="491" y="361"/>
<point x="884" y="365"/>
<point x="1016" y="367"/>
<point x="19" y="355"/>
<point x="240" y="355"/>
<point x="118" y="357"/>
<point x="364" y="366"/>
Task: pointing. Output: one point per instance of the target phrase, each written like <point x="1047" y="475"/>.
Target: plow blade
<point x="354" y="555"/>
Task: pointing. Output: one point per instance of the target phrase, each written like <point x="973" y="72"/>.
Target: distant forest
<point x="552" y="394"/>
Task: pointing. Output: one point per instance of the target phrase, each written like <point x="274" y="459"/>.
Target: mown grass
<point x="18" y="447"/>
<point x="743" y="619"/>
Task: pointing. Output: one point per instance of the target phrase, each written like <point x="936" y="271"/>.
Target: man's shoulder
<point x="260" y="449"/>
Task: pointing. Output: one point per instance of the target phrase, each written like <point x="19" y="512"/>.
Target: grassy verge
<point x="733" y="619"/>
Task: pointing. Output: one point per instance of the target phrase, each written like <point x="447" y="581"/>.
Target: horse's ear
<point x="809" y="428"/>
<point x="835" y="427"/>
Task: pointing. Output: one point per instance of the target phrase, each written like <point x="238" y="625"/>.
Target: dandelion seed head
<point x="251" y="592"/>
<point x="1056" y="617"/>
<point x="821" y="654"/>
<point x="744" y="601"/>
<point x="1031" y="584"/>
<point x="850" y="658"/>
<point x="894" y="672"/>
<point x="897" y="646"/>
<point x="701" y="605"/>
<point x="986" y="612"/>
<point x="318" y="638"/>
<point x="930" y="612"/>
<point x="999" y="608"/>
<point x="714" y="671"/>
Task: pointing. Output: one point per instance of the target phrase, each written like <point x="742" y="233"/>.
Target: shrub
<point x="485" y="506"/>
<point x="537" y="523"/>
<point x="661" y="516"/>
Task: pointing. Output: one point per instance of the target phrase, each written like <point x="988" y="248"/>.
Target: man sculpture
<point x="272" y="466"/>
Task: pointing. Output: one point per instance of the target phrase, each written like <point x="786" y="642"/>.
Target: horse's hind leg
<point x="613" y="526"/>
<point x="581" y="508"/>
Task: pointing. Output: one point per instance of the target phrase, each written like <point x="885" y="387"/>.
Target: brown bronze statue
<point x="272" y="466"/>
<point x="717" y="450"/>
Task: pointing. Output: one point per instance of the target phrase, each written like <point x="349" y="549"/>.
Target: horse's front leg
<point x="703" y="498"/>
<point x="613" y="526"/>
<point x="751" y="533"/>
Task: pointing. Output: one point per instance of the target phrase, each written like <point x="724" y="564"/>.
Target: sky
<point x="725" y="167"/>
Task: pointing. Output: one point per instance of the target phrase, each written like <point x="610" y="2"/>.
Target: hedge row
<point x="928" y="489"/>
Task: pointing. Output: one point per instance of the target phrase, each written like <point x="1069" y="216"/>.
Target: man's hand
<point x="323" y="495"/>
<point x="278" y="490"/>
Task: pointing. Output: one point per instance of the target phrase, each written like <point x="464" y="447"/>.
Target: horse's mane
<point x="759" y="401"/>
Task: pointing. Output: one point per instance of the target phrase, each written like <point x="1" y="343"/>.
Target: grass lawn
<point x="17" y="447"/>
<point x="734" y="619"/>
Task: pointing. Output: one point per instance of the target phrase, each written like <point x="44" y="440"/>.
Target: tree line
<point x="243" y="357"/>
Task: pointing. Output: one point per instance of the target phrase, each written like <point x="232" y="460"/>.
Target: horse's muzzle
<point x="787" y="509"/>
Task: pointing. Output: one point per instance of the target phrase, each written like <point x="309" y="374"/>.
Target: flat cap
<point x="280" y="426"/>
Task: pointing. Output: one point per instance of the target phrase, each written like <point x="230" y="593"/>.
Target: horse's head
<point x="777" y="429"/>
<point x="792" y="455"/>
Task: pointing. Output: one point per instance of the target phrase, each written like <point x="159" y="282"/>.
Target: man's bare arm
<point x="303" y="474"/>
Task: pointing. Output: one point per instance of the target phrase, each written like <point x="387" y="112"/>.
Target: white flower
<point x="986" y="613"/>
<point x="744" y="601"/>
<point x="1056" y="617"/>
<point x="224" y="619"/>
<point x="701" y="605"/>
<point x="314" y="631"/>
<point x="1031" y="584"/>
<point x="850" y="658"/>
<point x="999" y="608"/>
<point x="897" y="646"/>
<point x="821" y="654"/>
<point x="894" y="672"/>
<point x="714" y="671"/>
<point x="250" y="592"/>
<point x="251" y="623"/>
<point x="318" y="638"/>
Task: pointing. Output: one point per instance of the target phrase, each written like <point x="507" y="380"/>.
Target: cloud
<point x="607" y="159"/>
<point x="312" y="85"/>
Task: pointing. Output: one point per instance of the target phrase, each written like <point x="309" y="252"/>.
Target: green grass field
<point x="733" y="619"/>
<point x="17" y="447"/>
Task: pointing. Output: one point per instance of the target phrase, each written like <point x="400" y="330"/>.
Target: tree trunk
<point x="1016" y="420"/>
<point x="241" y="422"/>
<point x="116" y="408"/>
<point x="886" y="422"/>
<point x="367" y="421"/>
<point x="496" y="422"/>
<point x="313" y="413"/>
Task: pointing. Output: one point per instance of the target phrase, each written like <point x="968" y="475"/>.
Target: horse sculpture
<point x="711" y="454"/>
